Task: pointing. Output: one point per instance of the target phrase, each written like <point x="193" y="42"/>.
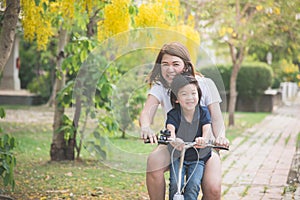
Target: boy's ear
<point x="176" y="101"/>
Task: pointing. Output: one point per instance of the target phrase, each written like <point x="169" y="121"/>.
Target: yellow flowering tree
<point x="43" y="20"/>
<point x="121" y="15"/>
<point x="289" y="72"/>
<point x="166" y="14"/>
<point x="116" y="19"/>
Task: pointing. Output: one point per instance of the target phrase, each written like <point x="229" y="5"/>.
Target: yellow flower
<point x="150" y="15"/>
<point x="116" y="19"/>
<point x="259" y="7"/>
<point x="277" y="11"/>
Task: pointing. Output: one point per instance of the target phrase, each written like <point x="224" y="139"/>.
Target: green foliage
<point x="253" y="79"/>
<point x="67" y="128"/>
<point x="97" y="146"/>
<point x="41" y="85"/>
<point x="220" y="75"/>
<point x="279" y="35"/>
<point x="77" y="51"/>
<point x="36" y="63"/>
<point x="64" y="96"/>
<point x="7" y="159"/>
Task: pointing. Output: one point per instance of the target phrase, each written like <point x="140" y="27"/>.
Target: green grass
<point x="298" y="140"/>
<point x="243" y="121"/>
<point x="38" y="178"/>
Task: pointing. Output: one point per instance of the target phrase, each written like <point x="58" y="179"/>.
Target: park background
<point x="252" y="48"/>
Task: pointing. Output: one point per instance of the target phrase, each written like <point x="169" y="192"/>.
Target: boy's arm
<point x="206" y="135"/>
<point x="176" y="142"/>
<point x="171" y="128"/>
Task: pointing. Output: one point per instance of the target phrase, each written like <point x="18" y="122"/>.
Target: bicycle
<point x="163" y="138"/>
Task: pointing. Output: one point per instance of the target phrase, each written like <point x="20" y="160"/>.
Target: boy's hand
<point x="178" y="144"/>
<point x="200" y="142"/>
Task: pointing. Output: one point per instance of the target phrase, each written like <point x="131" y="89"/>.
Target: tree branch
<point x="8" y="31"/>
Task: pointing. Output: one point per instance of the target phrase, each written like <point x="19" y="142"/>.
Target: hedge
<point x="253" y="78"/>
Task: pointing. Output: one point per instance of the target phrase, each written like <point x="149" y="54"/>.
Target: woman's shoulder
<point x="158" y="87"/>
<point x="203" y="79"/>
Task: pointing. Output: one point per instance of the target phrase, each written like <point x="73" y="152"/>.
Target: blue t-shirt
<point x="189" y="131"/>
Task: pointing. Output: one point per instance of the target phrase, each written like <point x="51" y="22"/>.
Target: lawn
<point x="38" y="178"/>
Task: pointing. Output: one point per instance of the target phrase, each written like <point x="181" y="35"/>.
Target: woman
<point x="174" y="59"/>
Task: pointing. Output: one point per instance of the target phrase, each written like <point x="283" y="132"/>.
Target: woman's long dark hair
<point x="179" y="81"/>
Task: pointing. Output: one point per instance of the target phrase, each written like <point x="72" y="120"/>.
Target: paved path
<point x="258" y="163"/>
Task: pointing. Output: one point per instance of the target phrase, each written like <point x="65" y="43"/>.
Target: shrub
<point x="7" y="159"/>
<point x="220" y="75"/>
<point x="253" y="79"/>
<point x="41" y="85"/>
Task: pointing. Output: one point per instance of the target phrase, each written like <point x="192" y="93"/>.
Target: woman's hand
<point x="148" y="133"/>
<point x="222" y="141"/>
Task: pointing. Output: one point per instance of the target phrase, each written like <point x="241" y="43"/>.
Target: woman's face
<point x="170" y="66"/>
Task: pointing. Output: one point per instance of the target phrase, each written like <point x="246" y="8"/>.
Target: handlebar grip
<point x="163" y="142"/>
<point x="221" y="148"/>
<point x="147" y="141"/>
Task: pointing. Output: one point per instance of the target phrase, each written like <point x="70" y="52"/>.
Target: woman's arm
<point x="206" y="132"/>
<point x="218" y="126"/>
<point x="146" y="118"/>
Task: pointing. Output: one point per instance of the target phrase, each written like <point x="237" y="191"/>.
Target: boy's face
<point x="170" y="66"/>
<point x="188" y="97"/>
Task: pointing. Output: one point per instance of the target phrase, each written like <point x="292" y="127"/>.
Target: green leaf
<point x="100" y="152"/>
<point x="37" y="2"/>
<point x="2" y="112"/>
<point x="97" y="135"/>
<point x="45" y="6"/>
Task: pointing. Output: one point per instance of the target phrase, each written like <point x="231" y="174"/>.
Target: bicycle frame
<point x="164" y="139"/>
<point x="178" y="195"/>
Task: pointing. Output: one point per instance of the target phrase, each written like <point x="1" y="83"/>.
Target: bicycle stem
<point x="180" y="170"/>
<point x="186" y="146"/>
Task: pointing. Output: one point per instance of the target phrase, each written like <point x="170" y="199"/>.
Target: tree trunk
<point x="8" y="30"/>
<point x="237" y="56"/>
<point x="232" y="94"/>
<point x="76" y="118"/>
<point x="60" y="149"/>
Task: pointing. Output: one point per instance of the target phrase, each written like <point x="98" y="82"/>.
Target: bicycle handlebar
<point x="164" y="139"/>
